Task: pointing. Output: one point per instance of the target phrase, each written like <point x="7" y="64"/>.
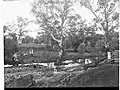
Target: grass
<point x="102" y="76"/>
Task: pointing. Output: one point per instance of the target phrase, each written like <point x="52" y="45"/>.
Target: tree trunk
<point x="95" y="64"/>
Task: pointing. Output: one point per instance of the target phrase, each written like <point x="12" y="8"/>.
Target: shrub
<point x="99" y="44"/>
<point x="91" y="49"/>
<point x="81" y="48"/>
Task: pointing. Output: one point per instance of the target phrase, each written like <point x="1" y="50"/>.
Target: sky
<point x="12" y="9"/>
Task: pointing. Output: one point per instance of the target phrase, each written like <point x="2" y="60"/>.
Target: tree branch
<point x="91" y="9"/>
<point x="55" y="38"/>
<point x="113" y="27"/>
<point x="94" y="13"/>
<point x="112" y="12"/>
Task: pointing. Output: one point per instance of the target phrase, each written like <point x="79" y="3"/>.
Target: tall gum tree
<point x="52" y="16"/>
<point x="18" y="28"/>
<point x="106" y="15"/>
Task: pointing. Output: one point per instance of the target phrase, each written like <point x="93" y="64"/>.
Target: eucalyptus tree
<point x="52" y="16"/>
<point x="18" y="29"/>
<point x="106" y="15"/>
<point x="27" y="39"/>
<point x="21" y="27"/>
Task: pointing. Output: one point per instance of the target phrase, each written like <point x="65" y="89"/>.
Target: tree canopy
<point x="106" y="15"/>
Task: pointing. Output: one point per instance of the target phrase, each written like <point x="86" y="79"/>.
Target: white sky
<point x="12" y="9"/>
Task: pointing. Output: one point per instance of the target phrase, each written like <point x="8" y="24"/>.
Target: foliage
<point x="14" y="37"/>
<point x="93" y="39"/>
<point x="75" y="40"/>
<point x="106" y="17"/>
<point x="114" y="44"/>
<point x="10" y="47"/>
<point x="21" y="25"/>
<point x="17" y="30"/>
<point x="76" y="25"/>
<point x="99" y="45"/>
<point x="81" y="48"/>
<point x="90" y="49"/>
<point x="10" y="43"/>
<point x="55" y="17"/>
<point x="36" y="41"/>
<point x="52" y="16"/>
<point x="27" y="39"/>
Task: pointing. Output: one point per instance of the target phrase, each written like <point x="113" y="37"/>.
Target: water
<point x="48" y="64"/>
<point x="8" y="65"/>
<point x="68" y="61"/>
<point x="44" y="64"/>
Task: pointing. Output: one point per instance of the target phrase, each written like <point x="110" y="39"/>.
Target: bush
<point x="91" y="49"/>
<point x="114" y="44"/>
<point x="81" y="48"/>
<point x="99" y="44"/>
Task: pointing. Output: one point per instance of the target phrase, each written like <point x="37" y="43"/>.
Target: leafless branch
<point x="112" y="11"/>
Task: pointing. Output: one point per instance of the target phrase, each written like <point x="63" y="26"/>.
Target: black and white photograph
<point x="60" y="43"/>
